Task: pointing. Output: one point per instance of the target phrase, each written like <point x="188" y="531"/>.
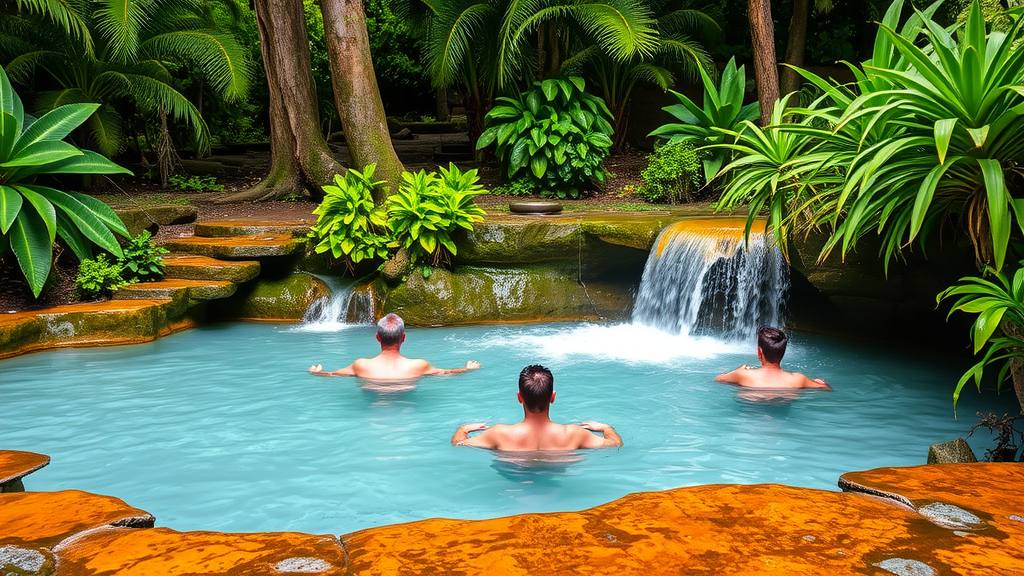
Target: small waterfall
<point x="345" y="306"/>
<point x="701" y="279"/>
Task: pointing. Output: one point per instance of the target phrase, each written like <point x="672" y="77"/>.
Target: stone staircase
<point x="210" y="264"/>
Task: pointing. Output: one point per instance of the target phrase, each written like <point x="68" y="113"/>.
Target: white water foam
<point x="332" y="314"/>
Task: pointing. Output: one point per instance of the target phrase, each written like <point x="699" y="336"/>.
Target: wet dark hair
<point x="390" y="330"/>
<point x="535" y="386"/>
<point x="772" y="343"/>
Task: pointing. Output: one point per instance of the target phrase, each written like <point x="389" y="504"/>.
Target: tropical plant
<point x="722" y="114"/>
<point x="195" y="183"/>
<point x="555" y="134"/>
<point x="348" y="224"/>
<point x="142" y="260"/>
<point x="673" y="174"/>
<point x="110" y="53"/>
<point x="99" y="277"/>
<point x="1008" y="437"/>
<point x="517" y="187"/>
<point x="429" y="208"/>
<point x="33" y="216"/>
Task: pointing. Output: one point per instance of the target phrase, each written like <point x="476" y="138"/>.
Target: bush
<point x="142" y="259"/>
<point x="348" y="223"/>
<point x="673" y="174"/>
<point x="518" y="187"/>
<point x="429" y="208"/>
<point x="99" y="277"/>
<point x="554" y="134"/>
<point x="196" y="183"/>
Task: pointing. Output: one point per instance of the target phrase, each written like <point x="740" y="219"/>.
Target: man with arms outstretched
<point x="537" y="431"/>
<point x="390" y="364"/>
<point x="771" y="347"/>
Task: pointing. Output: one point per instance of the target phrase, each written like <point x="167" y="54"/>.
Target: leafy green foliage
<point x="32" y="216"/>
<point x="554" y="134"/>
<point x="517" y="187"/>
<point x="429" y="208"/>
<point x="348" y="224"/>
<point x="722" y="113"/>
<point x="195" y="183"/>
<point x="142" y="260"/>
<point x="99" y="277"/>
<point x="673" y="174"/>
<point x="996" y="300"/>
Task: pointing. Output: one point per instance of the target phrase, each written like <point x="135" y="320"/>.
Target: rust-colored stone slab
<point x="251" y="226"/>
<point x="175" y="287"/>
<point x="195" y="267"/>
<point x="44" y="519"/>
<point x="706" y="530"/>
<point x="165" y="552"/>
<point x="15" y="465"/>
<point x="237" y="247"/>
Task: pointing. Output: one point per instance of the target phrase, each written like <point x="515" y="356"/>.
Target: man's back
<point x="390" y="367"/>
<point x="549" y="436"/>
<point x="770" y="377"/>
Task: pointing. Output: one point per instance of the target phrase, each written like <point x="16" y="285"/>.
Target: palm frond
<point x="452" y="33"/>
<point x="69" y="15"/>
<point x="690" y="22"/>
<point x="152" y="95"/>
<point x="689" y="55"/>
<point x="119" y="23"/>
<point x="106" y="128"/>
<point x="217" y="56"/>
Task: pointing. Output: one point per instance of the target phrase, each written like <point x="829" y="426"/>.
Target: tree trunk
<point x="549" y="58"/>
<point x="300" y="161"/>
<point x="762" y="35"/>
<point x="443" y="115"/>
<point x="795" y="48"/>
<point x="355" y="91"/>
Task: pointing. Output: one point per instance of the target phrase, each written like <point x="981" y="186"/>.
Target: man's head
<point x="772" y="344"/>
<point x="391" y="331"/>
<point x="536" y="388"/>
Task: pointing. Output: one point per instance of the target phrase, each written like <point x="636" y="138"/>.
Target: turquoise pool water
<point x="221" y="427"/>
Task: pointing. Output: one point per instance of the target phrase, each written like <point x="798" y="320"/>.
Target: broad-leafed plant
<point x="554" y="134"/>
<point x="429" y="208"/>
<point x="142" y="260"/>
<point x="33" y="216"/>
<point x="348" y="224"/>
<point x="720" y="116"/>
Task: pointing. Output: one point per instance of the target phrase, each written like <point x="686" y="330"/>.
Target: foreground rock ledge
<point x="15" y="465"/>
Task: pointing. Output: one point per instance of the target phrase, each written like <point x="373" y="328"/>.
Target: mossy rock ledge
<point x="282" y="299"/>
<point x="471" y="295"/>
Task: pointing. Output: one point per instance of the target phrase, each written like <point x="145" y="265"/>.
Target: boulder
<point x="955" y="452"/>
<point x="397" y="267"/>
<point x="153" y="217"/>
<point x="403" y="134"/>
<point x="284" y="299"/>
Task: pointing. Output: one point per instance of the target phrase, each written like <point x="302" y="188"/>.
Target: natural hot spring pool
<point x="221" y="428"/>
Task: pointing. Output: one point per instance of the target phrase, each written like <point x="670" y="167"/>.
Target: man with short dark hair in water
<point x="771" y="347"/>
<point x="390" y="364"/>
<point x="537" y="431"/>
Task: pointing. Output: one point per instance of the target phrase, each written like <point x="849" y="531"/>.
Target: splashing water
<point x="701" y="279"/>
<point x="345" y="307"/>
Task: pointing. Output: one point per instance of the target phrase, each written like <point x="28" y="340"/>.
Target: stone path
<point x="965" y="519"/>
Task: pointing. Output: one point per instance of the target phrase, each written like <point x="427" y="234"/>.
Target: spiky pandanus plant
<point x="123" y="55"/>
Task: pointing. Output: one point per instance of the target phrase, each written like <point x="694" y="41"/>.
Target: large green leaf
<point x="45" y="210"/>
<point x="31" y="245"/>
<point x="83" y="217"/>
<point x="88" y="163"/>
<point x="8" y="135"/>
<point x="10" y="205"/>
<point x="42" y="153"/>
<point x="56" y="124"/>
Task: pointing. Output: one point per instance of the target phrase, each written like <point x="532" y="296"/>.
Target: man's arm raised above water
<point x="435" y="371"/>
<point x="318" y="370"/>
<point x="483" y="440"/>
<point x="817" y="383"/>
<point x="734" y="377"/>
<point x="611" y="438"/>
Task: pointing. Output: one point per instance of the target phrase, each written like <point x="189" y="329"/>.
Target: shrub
<point x="99" y="277"/>
<point x="518" y="187"/>
<point x="142" y="259"/>
<point x="32" y="217"/>
<point x="673" y="174"/>
<point x="348" y="223"/>
<point x="554" y="134"/>
<point x="723" y="110"/>
<point x="196" y="183"/>
<point x="429" y="207"/>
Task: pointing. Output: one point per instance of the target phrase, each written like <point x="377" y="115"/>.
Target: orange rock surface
<point x="712" y="530"/>
<point x="237" y="247"/>
<point x="44" y="519"/>
<point x="165" y="552"/>
<point x="725" y="228"/>
<point x="15" y="464"/>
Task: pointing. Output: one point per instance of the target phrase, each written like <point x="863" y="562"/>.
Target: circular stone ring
<point x="536" y="207"/>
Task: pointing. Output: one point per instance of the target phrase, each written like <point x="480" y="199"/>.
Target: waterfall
<point x="701" y="279"/>
<point x="344" y="307"/>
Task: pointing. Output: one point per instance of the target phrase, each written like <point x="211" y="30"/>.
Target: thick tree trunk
<point x="549" y="58"/>
<point x="355" y="91"/>
<point x="795" y="47"/>
<point x="300" y="161"/>
<point x="762" y="35"/>
<point x="443" y="114"/>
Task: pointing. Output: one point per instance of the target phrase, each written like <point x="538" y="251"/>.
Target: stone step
<point x="250" y="227"/>
<point x="138" y="218"/>
<point x="15" y="465"/>
<point x="176" y="288"/>
<point x="237" y="247"/>
<point x="192" y="267"/>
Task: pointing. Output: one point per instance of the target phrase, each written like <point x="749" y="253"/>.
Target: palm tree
<point x="762" y="38"/>
<point x="125" y="57"/>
